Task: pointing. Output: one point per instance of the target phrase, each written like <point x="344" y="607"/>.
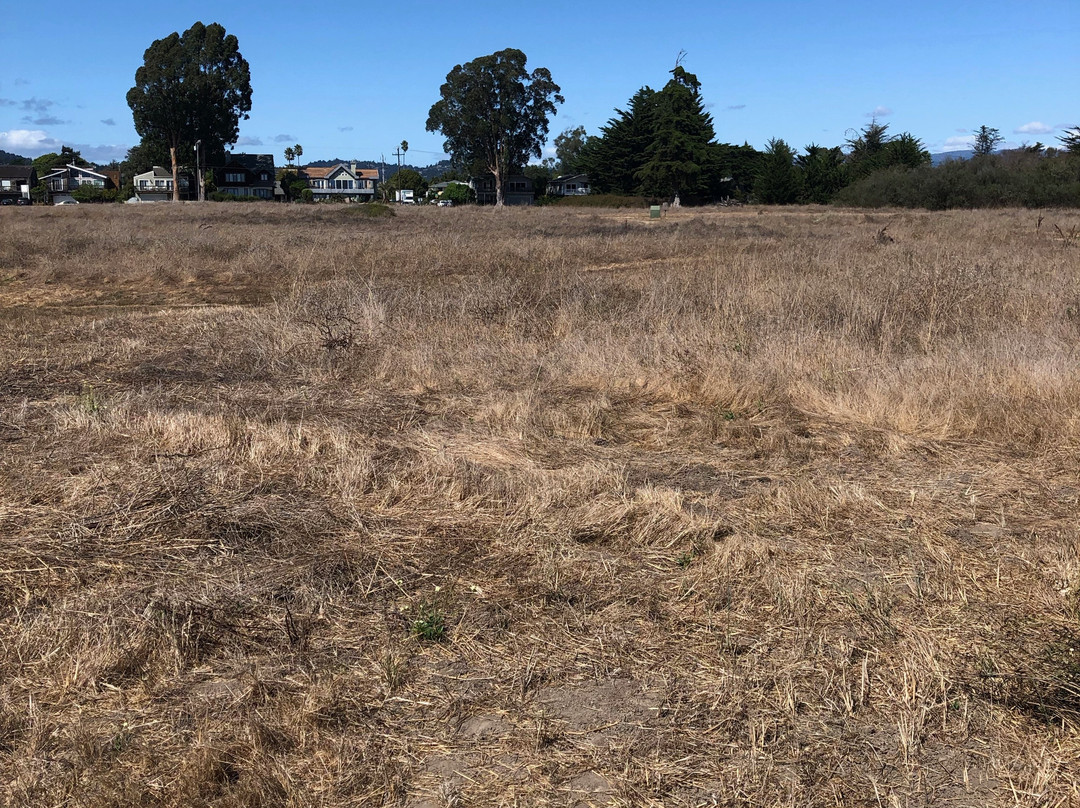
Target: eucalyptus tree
<point x="494" y="112"/>
<point x="194" y="86"/>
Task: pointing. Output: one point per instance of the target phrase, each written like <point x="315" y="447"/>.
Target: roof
<point x="252" y="162"/>
<point x="16" y="172"/>
<point x="321" y="172"/>
<point x="156" y="171"/>
<point x="85" y="170"/>
<point x="318" y="172"/>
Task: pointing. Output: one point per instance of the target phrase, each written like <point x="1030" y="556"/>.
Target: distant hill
<point x="9" y="159"/>
<point x="944" y="157"/>
<point x="390" y="169"/>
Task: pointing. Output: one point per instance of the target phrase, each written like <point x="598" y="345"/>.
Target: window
<point x="264" y="177"/>
<point x="6" y="185"/>
<point x="234" y="176"/>
<point x="262" y="192"/>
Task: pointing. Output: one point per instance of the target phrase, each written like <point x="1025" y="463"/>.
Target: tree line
<point x="193" y="89"/>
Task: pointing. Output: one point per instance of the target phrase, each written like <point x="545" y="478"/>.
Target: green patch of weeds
<point x="429" y="623"/>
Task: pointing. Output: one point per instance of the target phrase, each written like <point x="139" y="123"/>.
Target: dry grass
<point x="541" y="507"/>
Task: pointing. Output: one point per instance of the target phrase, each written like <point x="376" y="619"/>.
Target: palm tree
<point x="290" y="153"/>
<point x="298" y="150"/>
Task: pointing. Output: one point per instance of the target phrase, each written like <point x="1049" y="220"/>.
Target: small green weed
<point x="429" y="623"/>
<point x="90" y="401"/>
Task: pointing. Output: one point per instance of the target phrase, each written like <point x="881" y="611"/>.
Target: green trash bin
<point x="654" y="212"/>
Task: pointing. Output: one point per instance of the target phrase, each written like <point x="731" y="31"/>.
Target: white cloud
<point x="36" y="142"/>
<point x="28" y="142"/>
<point x="958" y="143"/>
<point x="249" y="141"/>
<point x="879" y="112"/>
<point x="1033" y="128"/>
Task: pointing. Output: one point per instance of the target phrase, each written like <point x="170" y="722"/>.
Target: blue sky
<point x="351" y="80"/>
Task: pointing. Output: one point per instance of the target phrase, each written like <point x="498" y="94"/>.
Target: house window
<point x="264" y="177"/>
<point x="262" y="192"/>
<point x="6" y="185"/>
<point x="233" y="176"/>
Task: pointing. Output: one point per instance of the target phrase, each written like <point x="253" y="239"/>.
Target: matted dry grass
<point x="538" y="507"/>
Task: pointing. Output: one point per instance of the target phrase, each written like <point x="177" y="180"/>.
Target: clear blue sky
<point x="351" y="80"/>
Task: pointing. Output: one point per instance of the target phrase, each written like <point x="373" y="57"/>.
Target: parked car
<point x="68" y="202"/>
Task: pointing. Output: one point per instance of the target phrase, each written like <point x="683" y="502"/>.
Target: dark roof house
<point x="246" y="175"/>
<point x="16" y="183"/>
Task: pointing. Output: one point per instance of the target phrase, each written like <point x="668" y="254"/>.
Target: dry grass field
<point x="538" y="507"/>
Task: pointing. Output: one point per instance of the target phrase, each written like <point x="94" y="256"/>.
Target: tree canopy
<point x="191" y="87"/>
<point x="494" y="112"/>
<point x="987" y="139"/>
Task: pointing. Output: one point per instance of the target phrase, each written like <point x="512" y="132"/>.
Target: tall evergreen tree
<point x="822" y="172"/>
<point x="678" y="153"/>
<point x="778" y="181"/>
<point x="612" y="160"/>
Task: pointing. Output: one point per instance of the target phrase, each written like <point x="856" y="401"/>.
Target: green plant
<point x="429" y="623"/>
<point x="90" y="401"/>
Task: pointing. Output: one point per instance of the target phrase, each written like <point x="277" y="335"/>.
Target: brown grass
<point x="739" y="507"/>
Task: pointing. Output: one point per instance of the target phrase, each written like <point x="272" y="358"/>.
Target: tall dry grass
<point x="538" y="507"/>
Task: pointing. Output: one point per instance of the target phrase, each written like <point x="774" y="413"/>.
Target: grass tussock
<point x="547" y="507"/>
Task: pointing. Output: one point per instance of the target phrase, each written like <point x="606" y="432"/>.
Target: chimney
<point x="354" y="168"/>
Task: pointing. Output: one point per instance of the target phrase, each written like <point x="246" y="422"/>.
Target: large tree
<point x="191" y="87"/>
<point x="493" y="111"/>
<point x="675" y="160"/>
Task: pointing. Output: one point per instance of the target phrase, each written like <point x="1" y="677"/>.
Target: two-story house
<point x="15" y="184"/>
<point x="246" y="175"/>
<point x="344" y="182"/>
<point x="156" y="185"/>
<point x="60" y="182"/>
<point x="517" y="189"/>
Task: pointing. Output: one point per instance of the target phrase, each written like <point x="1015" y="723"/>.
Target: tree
<point x="52" y="161"/>
<point x="778" y="181"/>
<point x="195" y="86"/>
<point x="407" y="179"/>
<point x="676" y="156"/>
<point x="568" y="147"/>
<point x="298" y="152"/>
<point x="612" y="160"/>
<point x="822" y="173"/>
<point x="1071" y="140"/>
<point x="986" y="140"/>
<point x="290" y="155"/>
<point x="492" y="110"/>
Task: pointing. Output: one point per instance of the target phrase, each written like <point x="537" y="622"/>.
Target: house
<point x="60" y="182"/>
<point x="517" y="189"/>
<point x="156" y="185"/>
<point x="569" y="185"/>
<point x="246" y="175"/>
<point x="16" y="183"/>
<point x="341" y="182"/>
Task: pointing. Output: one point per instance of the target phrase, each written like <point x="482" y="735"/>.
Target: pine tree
<point x="612" y="159"/>
<point x="678" y="153"/>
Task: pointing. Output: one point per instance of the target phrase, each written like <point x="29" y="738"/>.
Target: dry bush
<point x="546" y="507"/>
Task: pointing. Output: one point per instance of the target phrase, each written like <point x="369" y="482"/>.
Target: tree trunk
<point x="497" y="171"/>
<point x="175" y="175"/>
